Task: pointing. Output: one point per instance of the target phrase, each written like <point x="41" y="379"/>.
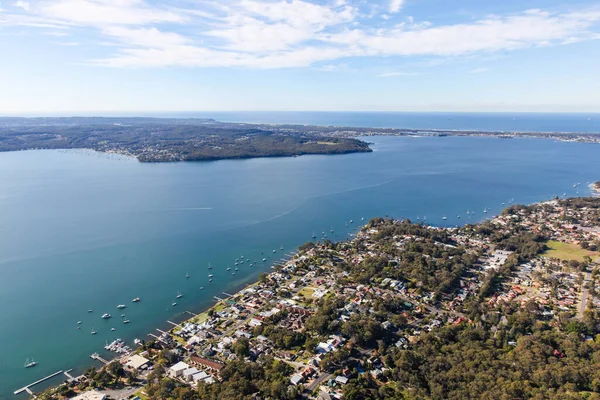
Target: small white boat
<point x="201" y="287"/>
<point x="113" y="329"/>
<point x="78" y="322"/>
<point x="106" y="316"/>
<point x="274" y="251"/>
<point x="90" y="310"/>
<point x="179" y="295"/>
<point x="125" y="321"/>
<point x="228" y="268"/>
<point x="136" y="300"/>
<point x="187" y="275"/>
<point x="264" y="259"/>
<point x="209" y="266"/>
<point x="210" y="279"/>
<point x="174" y="303"/>
<point x="121" y="306"/>
<point x="29" y="364"/>
<point x="351" y="221"/>
<point x="210" y="275"/>
<point x="444" y="218"/>
<point x="94" y="331"/>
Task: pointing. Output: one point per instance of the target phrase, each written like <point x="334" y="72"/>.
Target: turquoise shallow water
<point x="80" y="231"/>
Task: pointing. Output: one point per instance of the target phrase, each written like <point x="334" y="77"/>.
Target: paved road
<point x="317" y="382"/>
<point x="584" y="295"/>
<point x="123" y="393"/>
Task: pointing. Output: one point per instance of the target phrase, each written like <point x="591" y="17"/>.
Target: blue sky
<point x="387" y="55"/>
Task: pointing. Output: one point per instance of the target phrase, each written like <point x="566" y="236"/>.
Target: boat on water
<point x="106" y="316"/>
<point x="314" y="236"/>
<point x="29" y="364"/>
<point x="113" y="329"/>
<point x="94" y="331"/>
<point x="136" y="300"/>
<point x="174" y="303"/>
<point x="210" y="279"/>
<point x="187" y="275"/>
<point x="236" y="269"/>
<point x="233" y="273"/>
<point x="210" y="275"/>
<point x="444" y="218"/>
<point x="137" y="341"/>
<point x="264" y="259"/>
<point x="121" y="306"/>
<point x="351" y="221"/>
<point x="228" y="268"/>
<point x="125" y="321"/>
<point x="78" y="322"/>
<point x="201" y="287"/>
<point x="274" y="251"/>
<point x="179" y="295"/>
<point x="209" y="266"/>
<point x="281" y="247"/>
<point x="90" y="311"/>
<point x="485" y="210"/>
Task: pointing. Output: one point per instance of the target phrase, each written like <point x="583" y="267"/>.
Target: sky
<point x="83" y="56"/>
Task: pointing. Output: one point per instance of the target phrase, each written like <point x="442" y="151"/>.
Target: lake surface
<point x="484" y="121"/>
<point x="80" y="231"/>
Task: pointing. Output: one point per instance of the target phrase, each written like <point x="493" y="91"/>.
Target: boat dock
<point x="68" y="375"/>
<point x="191" y="313"/>
<point x="173" y="323"/>
<point x="217" y="298"/>
<point x="28" y="387"/>
<point x="96" y="356"/>
<point x="227" y="294"/>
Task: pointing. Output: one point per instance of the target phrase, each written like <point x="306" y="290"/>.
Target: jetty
<point x="227" y="294"/>
<point x="96" y="356"/>
<point x="173" y="323"/>
<point x="217" y="298"/>
<point x="28" y="387"/>
<point x="190" y="313"/>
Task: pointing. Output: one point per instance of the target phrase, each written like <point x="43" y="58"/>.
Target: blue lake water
<point x="513" y="122"/>
<point x="81" y="231"/>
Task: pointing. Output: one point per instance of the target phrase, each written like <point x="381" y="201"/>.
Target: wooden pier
<point x="68" y="375"/>
<point x="96" y="356"/>
<point x="173" y="323"/>
<point x="227" y="294"/>
<point x="191" y="313"/>
<point x="27" y="388"/>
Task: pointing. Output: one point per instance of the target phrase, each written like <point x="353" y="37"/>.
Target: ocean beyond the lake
<point x="83" y="231"/>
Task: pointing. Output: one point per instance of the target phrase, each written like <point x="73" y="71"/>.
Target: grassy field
<point x="306" y="292"/>
<point x="568" y="251"/>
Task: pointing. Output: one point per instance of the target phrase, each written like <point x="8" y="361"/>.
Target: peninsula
<point x="502" y="309"/>
<point x="202" y="139"/>
<point x="168" y="140"/>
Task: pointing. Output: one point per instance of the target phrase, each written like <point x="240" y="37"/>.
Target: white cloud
<point x="23" y="4"/>
<point x="395" y="6"/>
<point x="478" y="70"/>
<point x="291" y="33"/>
<point x="398" y="73"/>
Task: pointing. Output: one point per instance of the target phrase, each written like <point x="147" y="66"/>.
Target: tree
<point x="242" y="347"/>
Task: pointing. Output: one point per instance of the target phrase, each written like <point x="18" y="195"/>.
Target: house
<point x="296" y="379"/>
<point x="342" y="380"/>
<point x="90" y="395"/>
<point x="206" y="363"/>
<point x="137" y="362"/>
<point x="176" y="370"/>
<point x="189" y="373"/>
<point x="200" y="376"/>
